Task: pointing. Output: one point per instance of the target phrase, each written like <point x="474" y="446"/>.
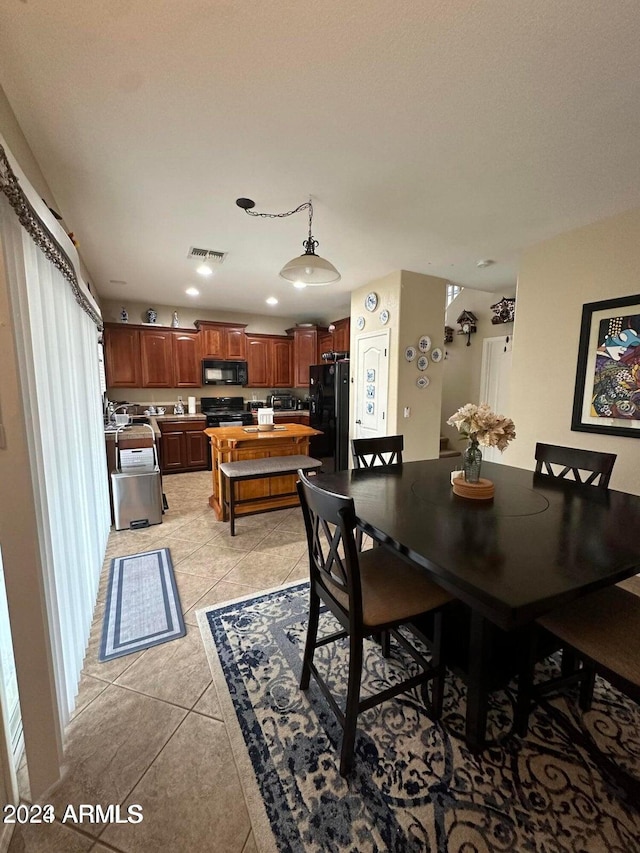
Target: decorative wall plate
<point x="423" y="362"/>
<point x="436" y="355"/>
<point x="384" y="317"/>
<point x="371" y="301"/>
<point x="424" y="344"/>
<point x="360" y="323"/>
<point x="410" y="353"/>
<point x="422" y="381"/>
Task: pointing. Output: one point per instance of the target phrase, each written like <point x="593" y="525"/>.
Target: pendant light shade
<point x="310" y="269"/>
<point x="307" y="269"/>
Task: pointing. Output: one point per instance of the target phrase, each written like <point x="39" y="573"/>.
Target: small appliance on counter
<point x="254" y="405"/>
<point x="281" y="401"/>
<point x="178" y="409"/>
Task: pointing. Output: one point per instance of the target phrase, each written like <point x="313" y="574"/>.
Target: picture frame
<point x="607" y="394"/>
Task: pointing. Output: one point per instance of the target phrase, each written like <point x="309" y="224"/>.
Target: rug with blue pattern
<point x="573" y="784"/>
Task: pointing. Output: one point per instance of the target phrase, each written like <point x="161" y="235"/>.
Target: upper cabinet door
<point x="187" y="362"/>
<point x="305" y="347"/>
<point x="122" y="357"/>
<point x="342" y="335"/>
<point x="156" y="353"/>
<point x="236" y="343"/>
<point x="258" y="362"/>
<point x="282" y="363"/>
<point x="325" y="343"/>
<point x="212" y="342"/>
<point x="226" y="341"/>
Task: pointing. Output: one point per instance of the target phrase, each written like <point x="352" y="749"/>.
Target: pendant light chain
<point x="306" y="269"/>
<point x="310" y="244"/>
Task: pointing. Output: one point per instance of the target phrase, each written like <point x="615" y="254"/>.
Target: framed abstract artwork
<point x="607" y="392"/>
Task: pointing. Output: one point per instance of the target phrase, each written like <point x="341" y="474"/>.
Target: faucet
<point x="113" y="410"/>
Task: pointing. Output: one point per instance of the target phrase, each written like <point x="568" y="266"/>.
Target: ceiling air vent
<point x="207" y="254"/>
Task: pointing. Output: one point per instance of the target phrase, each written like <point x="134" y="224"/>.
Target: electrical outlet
<point x="407" y="411"/>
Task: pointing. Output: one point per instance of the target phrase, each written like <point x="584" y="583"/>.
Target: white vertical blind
<point x="58" y="356"/>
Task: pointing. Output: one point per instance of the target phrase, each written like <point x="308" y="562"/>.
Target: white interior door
<point x="372" y="384"/>
<point x="494" y="382"/>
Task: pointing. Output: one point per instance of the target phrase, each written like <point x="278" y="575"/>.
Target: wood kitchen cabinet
<point x="337" y="341"/>
<point x="122" y="356"/>
<point x="143" y="357"/>
<point x="156" y="358"/>
<point x="342" y="335"/>
<point x="269" y="361"/>
<point x="187" y="361"/>
<point x="305" y="353"/>
<point x="325" y="343"/>
<point x="225" y="341"/>
<point x="184" y="445"/>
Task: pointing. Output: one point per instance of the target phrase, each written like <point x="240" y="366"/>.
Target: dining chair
<point x="382" y="450"/>
<point x="368" y="592"/>
<point x="587" y="631"/>
<point x="590" y="467"/>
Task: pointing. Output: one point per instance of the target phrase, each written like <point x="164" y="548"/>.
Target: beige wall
<point x="422" y="301"/>
<point x="416" y="307"/>
<point x="600" y="261"/>
<point x="14" y="137"/>
<point x="261" y="324"/>
<point x="463" y="364"/>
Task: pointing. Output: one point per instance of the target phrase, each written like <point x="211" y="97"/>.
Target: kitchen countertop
<point x="140" y="431"/>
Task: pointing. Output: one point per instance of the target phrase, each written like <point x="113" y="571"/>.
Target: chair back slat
<point x="383" y="450"/>
<point x="588" y="467"/>
<point x="330" y="521"/>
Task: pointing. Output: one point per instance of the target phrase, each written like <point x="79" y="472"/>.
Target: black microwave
<point x="224" y="372"/>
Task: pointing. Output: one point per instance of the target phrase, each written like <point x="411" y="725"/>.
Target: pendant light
<point x="306" y="269"/>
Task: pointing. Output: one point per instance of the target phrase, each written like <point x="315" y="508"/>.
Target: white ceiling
<point x="429" y="134"/>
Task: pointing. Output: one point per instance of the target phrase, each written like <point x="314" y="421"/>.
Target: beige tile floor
<point x="147" y="728"/>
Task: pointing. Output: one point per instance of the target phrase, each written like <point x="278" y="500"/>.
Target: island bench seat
<point x="256" y="469"/>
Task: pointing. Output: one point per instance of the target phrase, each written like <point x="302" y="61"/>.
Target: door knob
<point x="358" y="422"/>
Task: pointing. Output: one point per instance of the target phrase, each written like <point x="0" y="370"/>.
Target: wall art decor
<point x="607" y="390"/>
<point x="504" y="310"/>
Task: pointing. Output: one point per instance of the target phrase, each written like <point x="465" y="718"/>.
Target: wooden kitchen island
<point x="233" y="444"/>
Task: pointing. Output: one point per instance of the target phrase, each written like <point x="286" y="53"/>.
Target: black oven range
<point x="224" y="410"/>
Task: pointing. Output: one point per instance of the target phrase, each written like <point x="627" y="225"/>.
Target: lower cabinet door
<point x="195" y="449"/>
<point x="172" y="451"/>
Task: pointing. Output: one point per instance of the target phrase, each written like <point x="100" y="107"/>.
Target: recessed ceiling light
<point x="272" y="301"/>
<point x="300" y="284"/>
<point x="205" y="268"/>
<point x="192" y="291"/>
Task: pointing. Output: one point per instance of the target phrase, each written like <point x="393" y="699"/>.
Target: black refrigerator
<point x="329" y="412"/>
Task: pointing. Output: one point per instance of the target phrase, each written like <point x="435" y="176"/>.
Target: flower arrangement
<point x="479" y="423"/>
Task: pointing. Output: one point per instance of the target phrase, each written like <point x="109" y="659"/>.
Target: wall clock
<point x="371" y="301"/>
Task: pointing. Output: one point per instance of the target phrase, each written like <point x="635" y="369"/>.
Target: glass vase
<point x="472" y="461"/>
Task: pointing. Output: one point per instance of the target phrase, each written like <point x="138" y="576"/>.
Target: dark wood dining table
<point x="539" y="543"/>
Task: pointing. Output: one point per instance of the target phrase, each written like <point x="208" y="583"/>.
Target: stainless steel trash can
<point x="136" y="486"/>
